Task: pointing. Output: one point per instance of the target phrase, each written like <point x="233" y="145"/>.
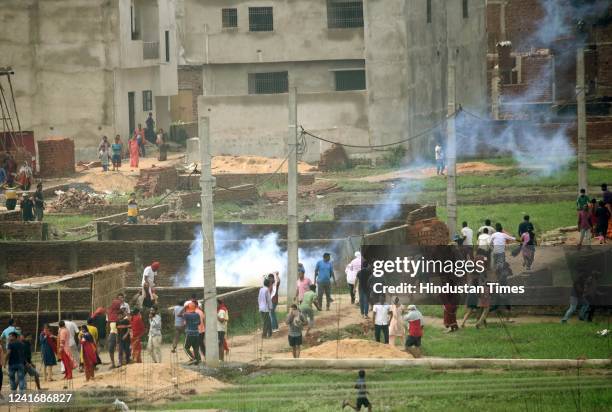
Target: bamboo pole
<point x="59" y="305"/>
<point x="37" y="320"/>
<point x="11" y="302"/>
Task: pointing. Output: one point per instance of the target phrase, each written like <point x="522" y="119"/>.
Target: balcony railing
<point x="150" y="50"/>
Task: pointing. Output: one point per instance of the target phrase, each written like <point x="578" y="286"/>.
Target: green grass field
<point x="413" y="389"/>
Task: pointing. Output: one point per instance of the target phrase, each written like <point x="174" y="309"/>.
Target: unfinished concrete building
<point x="367" y="72"/>
<point x="87" y="68"/>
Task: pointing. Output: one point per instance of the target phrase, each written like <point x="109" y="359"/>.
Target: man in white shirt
<point x="222" y="318"/>
<point x="439" y="159"/>
<point x="381" y="314"/>
<point x="484" y="245"/>
<point x="148" y="276"/>
<point x="467" y="235"/>
<point x="351" y="274"/>
<point x="498" y="241"/>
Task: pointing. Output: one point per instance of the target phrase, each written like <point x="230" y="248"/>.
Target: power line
<point x="424" y="132"/>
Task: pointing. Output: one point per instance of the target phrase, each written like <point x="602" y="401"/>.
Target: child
<point x="132" y="209"/>
<point x="104" y="157"/>
<point x="362" y="394"/>
<point x="296" y="321"/>
<point x="116" y="149"/>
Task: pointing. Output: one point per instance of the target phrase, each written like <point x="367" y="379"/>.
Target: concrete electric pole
<point x="581" y="114"/>
<point x="292" y="189"/>
<point x="207" y="183"/>
<point x="451" y="155"/>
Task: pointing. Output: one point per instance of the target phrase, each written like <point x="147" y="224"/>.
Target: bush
<point x="394" y="156"/>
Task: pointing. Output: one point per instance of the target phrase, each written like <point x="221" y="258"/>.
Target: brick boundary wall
<point x="10" y="216"/>
<point x="18" y="230"/>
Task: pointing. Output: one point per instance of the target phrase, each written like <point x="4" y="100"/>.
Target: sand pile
<point x="142" y="377"/>
<point x="253" y="164"/>
<point x="354" y="349"/>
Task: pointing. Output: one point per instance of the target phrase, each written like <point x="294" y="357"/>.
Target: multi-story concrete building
<point x="367" y="71"/>
<point x="87" y="68"/>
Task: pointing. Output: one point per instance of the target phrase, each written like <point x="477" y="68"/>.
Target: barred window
<point x="344" y="14"/>
<point x="268" y="83"/>
<point x="229" y="18"/>
<point x="350" y="80"/>
<point x="261" y="19"/>
<point x="147" y="100"/>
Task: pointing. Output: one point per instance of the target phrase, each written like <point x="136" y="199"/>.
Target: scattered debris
<point x="82" y="166"/>
<point x="316" y="189"/>
<point x="74" y="199"/>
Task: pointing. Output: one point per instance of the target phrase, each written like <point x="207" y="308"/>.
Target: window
<point x="428" y="11"/>
<point x="344" y="14"/>
<point x="229" y="18"/>
<point x="134" y="24"/>
<point x="147" y="100"/>
<point x="350" y="80"/>
<point x="466" y="11"/>
<point x="261" y="19"/>
<point x="167" y="40"/>
<point x="268" y="83"/>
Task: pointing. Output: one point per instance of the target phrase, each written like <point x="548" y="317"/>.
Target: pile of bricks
<point x="157" y="180"/>
<point x="429" y="232"/>
<point x="334" y="158"/>
<point x="56" y="157"/>
<point x="425" y="212"/>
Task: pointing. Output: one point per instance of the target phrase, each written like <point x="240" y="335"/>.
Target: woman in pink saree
<point x="134" y="152"/>
<point x="64" y="350"/>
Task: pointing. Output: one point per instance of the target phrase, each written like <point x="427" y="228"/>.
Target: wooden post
<point x="37" y="319"/>
<point x="59" y="305"/>
<point x="11" y="302"/>
<point x="92" y="288"/>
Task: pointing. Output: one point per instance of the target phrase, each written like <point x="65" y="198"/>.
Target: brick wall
<point x="156" y="180"/>
<point x="522" y="19"/>
<point x="24" y="230"/>
<point x="10" y="215"/>
<point x="56" y="157"/>
<point x="20" y="260"/>
<point x="190" y="78"/>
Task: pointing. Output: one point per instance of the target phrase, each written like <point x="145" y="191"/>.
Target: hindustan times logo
<point x="413" y="267"/>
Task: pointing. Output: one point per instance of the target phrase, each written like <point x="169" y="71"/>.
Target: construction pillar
<point x="207" y="183"/>
<point x="292" y="180"/>
<point x="581" y="114"/>
<point x="451" y="155"/>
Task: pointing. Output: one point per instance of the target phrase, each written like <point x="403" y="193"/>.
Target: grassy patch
<point x="530" y="340"/>
<point x="412" y="389"/>
<point x="544" y="216"/>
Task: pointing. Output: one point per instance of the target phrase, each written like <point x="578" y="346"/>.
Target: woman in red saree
<point x="138" y="331"/>
<point x="134" y="153"/>
<point x="88" y="352"/>
<point x="64" y="350"/>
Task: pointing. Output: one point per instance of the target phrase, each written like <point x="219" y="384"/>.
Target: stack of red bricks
<point x="157" y="180"/>
<point x="429" y="232"/>
<point x="56" y="157"/>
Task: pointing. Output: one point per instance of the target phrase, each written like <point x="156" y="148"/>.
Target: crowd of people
<point x="13" y="181"/>
<point x="111" y="154"/>
<point x="594" y="216"/>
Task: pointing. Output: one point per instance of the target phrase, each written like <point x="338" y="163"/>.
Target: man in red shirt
<point x="138" y="330"/>
<point x="414" y="318"/>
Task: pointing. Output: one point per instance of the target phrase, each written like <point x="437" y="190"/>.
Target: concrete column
<point x="451" y="156"/>
<point x="292" y="225"/>
<point x="207" y="182"/>
<point x="581" y="112"/>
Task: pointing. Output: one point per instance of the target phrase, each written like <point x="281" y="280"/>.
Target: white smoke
<point x="243" y="263"/>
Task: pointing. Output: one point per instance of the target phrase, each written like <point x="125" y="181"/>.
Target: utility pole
<point x="207" y="183"/>
<point x="451" y="155"/>
<point x="581" y="112"/>
<point x="292" y="183"/>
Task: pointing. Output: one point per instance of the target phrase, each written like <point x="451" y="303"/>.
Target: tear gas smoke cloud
<point x="243" y="263"/>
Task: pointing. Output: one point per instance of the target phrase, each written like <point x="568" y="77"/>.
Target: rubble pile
<point x="556" y="236"/>
<point x="334" y="158"/>
<point x="74" y="199"/>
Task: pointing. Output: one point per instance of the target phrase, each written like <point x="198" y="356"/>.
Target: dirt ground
<point x="253" y="164"/>
<point x="426" y="172"/>
<point x="354" y="349"/>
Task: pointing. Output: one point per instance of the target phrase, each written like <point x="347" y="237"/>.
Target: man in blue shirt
<point x="324" y="273"/>
<point x="9" y="329"/>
